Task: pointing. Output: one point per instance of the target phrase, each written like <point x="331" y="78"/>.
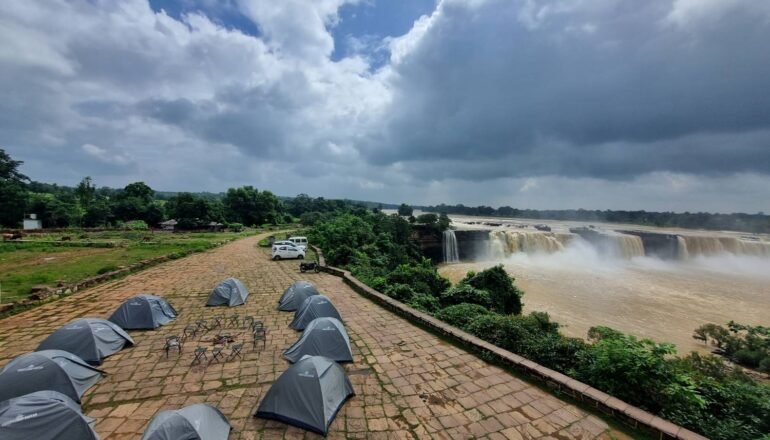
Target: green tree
<point x="249" y="206"/>
<point x="13" y="194"/>
<point x="505" y="297"/>
<point x="405" y="210"/>
<point x="136" y="202"/>
<point x="85" y="192"/>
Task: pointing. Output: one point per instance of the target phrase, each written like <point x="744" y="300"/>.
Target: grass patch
<point x="24" y="265"/>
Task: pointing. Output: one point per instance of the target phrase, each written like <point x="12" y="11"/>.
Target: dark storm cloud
<point x="596" y="88"/>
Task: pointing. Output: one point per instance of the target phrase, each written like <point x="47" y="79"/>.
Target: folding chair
<point x="200" y="355"/>
<point x="260" y="334"/>
<point x="257" y="325"/>
<point x="235" y="351"/>
<point x="248" y="321"/>
<point x="190" y="331"/>
<point x="217" y="321"/>
<point x="202" y="325"/>
<point x="234" y="321"/>
<point x="171" y="343"/>
<point x="216" y="353"/>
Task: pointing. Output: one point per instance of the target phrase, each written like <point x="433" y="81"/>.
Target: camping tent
<point x="295" y="295"/>
<point x="322" y="337"/>
<point x="44" y="415"/>
<point x="194" y="422"/>
<point x="54" y="370"/>
<point x="91" y="339"/>
<point x="316" y="306"/>
<point x="143" y="312"/>
<point x="308" y="395"/>
<point x="230" y="292"/>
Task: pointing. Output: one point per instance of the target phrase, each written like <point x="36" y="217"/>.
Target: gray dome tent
<point x="316" y="306"/>
<point x="143" y="312"/>
<point x="54" y="370"/>
<point x="230" y="292"/>
<point x="307" y="395"/>
<point x="194" y="422"/>
<point x="322" y="337"/>
<point x="44" y="415"/>
<point x="91" y="339"/>
<point x="295" y="295"/>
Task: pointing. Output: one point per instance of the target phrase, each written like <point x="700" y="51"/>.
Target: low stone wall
<point x="636" y="418"/>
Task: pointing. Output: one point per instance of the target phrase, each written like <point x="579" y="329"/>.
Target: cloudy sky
<point x="625" y="104"/>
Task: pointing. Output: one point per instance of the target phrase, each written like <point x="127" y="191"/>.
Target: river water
<point x="580" y="286"/>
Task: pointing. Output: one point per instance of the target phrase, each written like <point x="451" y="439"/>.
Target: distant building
<point x="168" y="225"/>
<point x="32" y="222"/>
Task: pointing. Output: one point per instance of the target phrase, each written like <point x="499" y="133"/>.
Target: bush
<point x="424" y="303"/>
<point x="422" y="277"/>
<point x="235" y="227"/>
<point x="400" y="292"/>
<point x="465" y="293"/>
<point x="460" y="315"/>
<point x="136" y="225"/>
<point x="505" y="297"/>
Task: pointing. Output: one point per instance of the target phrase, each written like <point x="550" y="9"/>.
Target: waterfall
<point x="451" y="254"/>
<point x="701" y="245"/>
<point x="505" y="243"/>
<point x="626" y="246"/>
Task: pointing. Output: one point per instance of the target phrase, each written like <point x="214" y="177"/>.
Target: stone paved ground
<point x="408" y="382"/>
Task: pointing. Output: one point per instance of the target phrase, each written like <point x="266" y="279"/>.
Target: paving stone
<point x="408" y="382"/>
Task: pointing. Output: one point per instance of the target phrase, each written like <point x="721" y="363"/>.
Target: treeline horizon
<point x="741" y="222"/>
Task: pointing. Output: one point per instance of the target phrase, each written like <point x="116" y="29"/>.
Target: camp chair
<point x="217" y="354"/>
<point x="171" y="343"/>
<point x="234" y="320"/>
<point x="235" y="351"/>
<point x="217" y="321"/>
<point x="189" y="331"/>
<point x="200" y="355"/>
<point x="256" y="325"/>
<point x="260" y="334"/>
<point x="202" y="325"/>
<point x="250" y="320"/>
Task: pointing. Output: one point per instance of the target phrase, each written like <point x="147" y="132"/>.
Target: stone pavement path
<point x="408" y="382"/>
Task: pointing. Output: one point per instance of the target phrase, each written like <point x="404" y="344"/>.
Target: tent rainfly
<point x="316" y="306"/>
<point x="143" y="312"/>
<point x="322" y="337"/>
<point x="44" y="415"/>
<point x="54" y="370"/>
<point x="295" y="295"/>
<point x="195" y="422"/>
<point x="91" y="339"/>
<point x="307" y="395"/>
<point x="230" y="292"/>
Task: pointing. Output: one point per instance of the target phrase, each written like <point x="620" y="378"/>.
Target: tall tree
<point x="85" y="192"/>
<point x="248" y="206"/>
<point x="13" y="193"/>
<point x="405" y="210"/>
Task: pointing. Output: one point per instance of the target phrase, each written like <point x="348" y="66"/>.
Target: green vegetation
<point x="743" y="344"/>
<point x="702" y="393"/>
<point x="46" y="259"/>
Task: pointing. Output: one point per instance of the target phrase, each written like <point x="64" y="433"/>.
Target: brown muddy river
<point x="643" y="296"/>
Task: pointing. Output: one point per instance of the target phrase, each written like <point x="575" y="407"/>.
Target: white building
<point x="31" y="222"/>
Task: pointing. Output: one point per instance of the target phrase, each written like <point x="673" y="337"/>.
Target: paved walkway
<point x="408" y="382"/>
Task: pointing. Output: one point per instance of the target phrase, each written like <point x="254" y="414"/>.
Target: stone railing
<point x="634" y="417"/>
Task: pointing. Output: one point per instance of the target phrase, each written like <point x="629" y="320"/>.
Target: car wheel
<point x="277" y="257"/>
<point x="300" y="257"/>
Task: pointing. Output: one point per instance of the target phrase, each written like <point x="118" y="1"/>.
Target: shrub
<point x="136" y="225"/>
<point x="460" y="315"/>
<point x="235" y="227"/>
<point x="400" y="292"/>
<point x="422" y="277"/>
<point x="424" y="303"/>
<point x="600" y="332"/>
<point x="106" y="269"/>
<point x="464" y="293"/>
<point x="505" y="297"/>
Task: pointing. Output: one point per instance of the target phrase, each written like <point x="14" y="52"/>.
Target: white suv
<point x="285" y="251"/>
<point x="300" y="242"/>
